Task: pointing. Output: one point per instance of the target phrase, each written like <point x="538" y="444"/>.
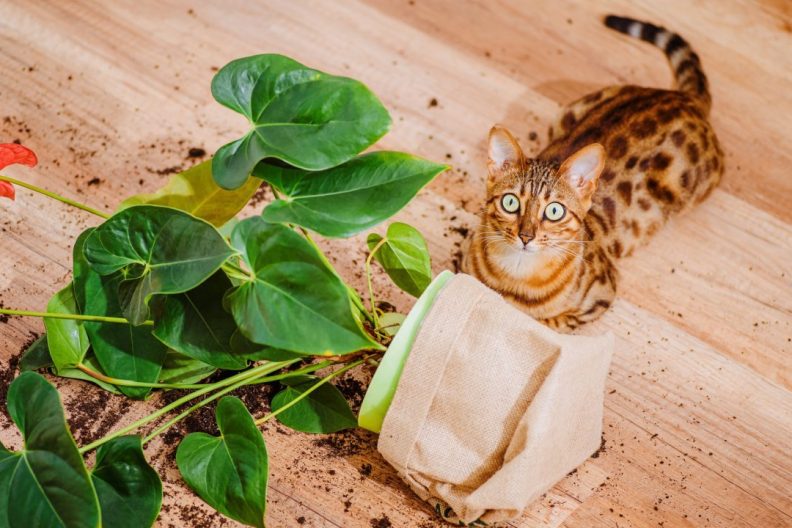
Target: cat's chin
<point x="521" y="263"/>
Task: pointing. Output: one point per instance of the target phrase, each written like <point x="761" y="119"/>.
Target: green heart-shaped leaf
<point x="324" y="410"/>
<point x="302" y="116"/>
<point x="350" y="198"/>
<point x="157" y="250"/>
<point x="67" y="340"/>
<point x="195" y="191"/>
<point x="179" y="368"/>
<point x="405" y="257"/>
<point x="195" y="324"/>
<point x="45" y="484"/>
<point x="129" y="490"/>
<point x="293" y="300"/>
<point x="229" y="471"/>
<point x="124" y="351"/>
<point x="37" y="356"/>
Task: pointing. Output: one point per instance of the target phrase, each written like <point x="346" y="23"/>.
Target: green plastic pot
<point x="383" y="385"/>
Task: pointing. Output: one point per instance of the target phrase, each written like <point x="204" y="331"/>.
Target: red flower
<point x="10" y="154"/>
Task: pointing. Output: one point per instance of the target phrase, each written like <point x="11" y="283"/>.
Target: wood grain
<point x="112" y="95"/>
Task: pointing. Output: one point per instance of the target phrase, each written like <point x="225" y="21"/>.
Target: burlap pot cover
<point x="493" y="408"/>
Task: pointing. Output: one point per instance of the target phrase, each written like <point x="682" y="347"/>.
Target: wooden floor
<point x="698" y="421"/>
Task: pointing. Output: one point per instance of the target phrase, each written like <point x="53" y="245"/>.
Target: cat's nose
<point x="526" y="237"/>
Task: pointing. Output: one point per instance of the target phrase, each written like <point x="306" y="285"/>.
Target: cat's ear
<point x="582" y="171"/>
<point x="504" y="152"/>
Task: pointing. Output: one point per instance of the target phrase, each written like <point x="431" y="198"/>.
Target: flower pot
<point x="479" y="407"/>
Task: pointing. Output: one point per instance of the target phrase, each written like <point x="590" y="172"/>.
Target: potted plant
<point x="172" y="288"/>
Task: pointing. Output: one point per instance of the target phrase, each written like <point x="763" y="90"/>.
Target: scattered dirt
<point x="347" y="443"/>
<point x="196" y="152"/>
<point x="7" y="374"/>
<point x="192" y="515"/>
<point x="257" y="397"/>
<point x="167" y="170"/>
<point x="462" y="231"/>
<point x="456" y="260"/>
<point x="89" y="415"/>
<point x="353" y="390"/>
<point x="8" y="371"/>
<point x="263" y="194"/>
<point x="365" y="470"/>
<point x="600" y="450"/>
<point x="382" y="522"/>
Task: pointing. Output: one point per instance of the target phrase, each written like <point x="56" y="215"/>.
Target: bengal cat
<point x="620" y="161"/>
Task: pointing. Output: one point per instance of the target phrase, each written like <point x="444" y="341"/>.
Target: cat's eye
<point x="554" y="211"/>
<point x="510" y="203"/>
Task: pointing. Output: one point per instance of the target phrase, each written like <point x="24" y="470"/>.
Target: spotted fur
<point x="659" y="157"/>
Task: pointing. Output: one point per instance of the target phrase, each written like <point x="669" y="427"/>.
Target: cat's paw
<point x="562" y="323"/>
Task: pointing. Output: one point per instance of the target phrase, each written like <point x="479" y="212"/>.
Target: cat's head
<point x="535" y="207"/>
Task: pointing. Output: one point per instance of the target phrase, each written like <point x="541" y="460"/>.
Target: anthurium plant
<point x="172" y="287"/>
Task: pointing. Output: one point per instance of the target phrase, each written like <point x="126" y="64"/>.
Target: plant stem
<point x="233" y="270"/>
<point x="265" y="368"/>
<point x="305" y="370"/>
<point x="255" y="381"/>
<point x="75" y="317"/>
<point x="55" y="196"/>
<point x="167" y="425"/>
<point x="368" y="278"/>
<point x="318" y="384"/>
<point x="132" y="383"/>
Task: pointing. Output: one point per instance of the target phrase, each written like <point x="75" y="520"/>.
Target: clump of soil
<point x="382" y="522"/>
<point x="353" y="390"/>
<point x="8" y="372"/>
<point x="456" y="260"/>
<point x="462" y="231"/>
<point x="365" y="470"/>
<point x="262" y="195"/>
<point x="167" y="170"/>
<point x="89" y="415"/>
<point x="3" y="317"/>
<point x="256" y="398"/>
<point x="196" y="152"/>
<point x="7" y="375"/>
<point x="601" y="448"/>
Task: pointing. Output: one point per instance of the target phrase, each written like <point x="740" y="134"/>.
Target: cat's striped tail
<point x="688" y="71"/>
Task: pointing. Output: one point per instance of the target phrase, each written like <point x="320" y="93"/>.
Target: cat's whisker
<point x="568" y="251"/>
<point x="563" y="240"/>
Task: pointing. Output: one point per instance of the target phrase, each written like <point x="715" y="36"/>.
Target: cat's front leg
<point x="568" y="321"/>
<point x="563" y="323"/>
<point x="597" y="300"/>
